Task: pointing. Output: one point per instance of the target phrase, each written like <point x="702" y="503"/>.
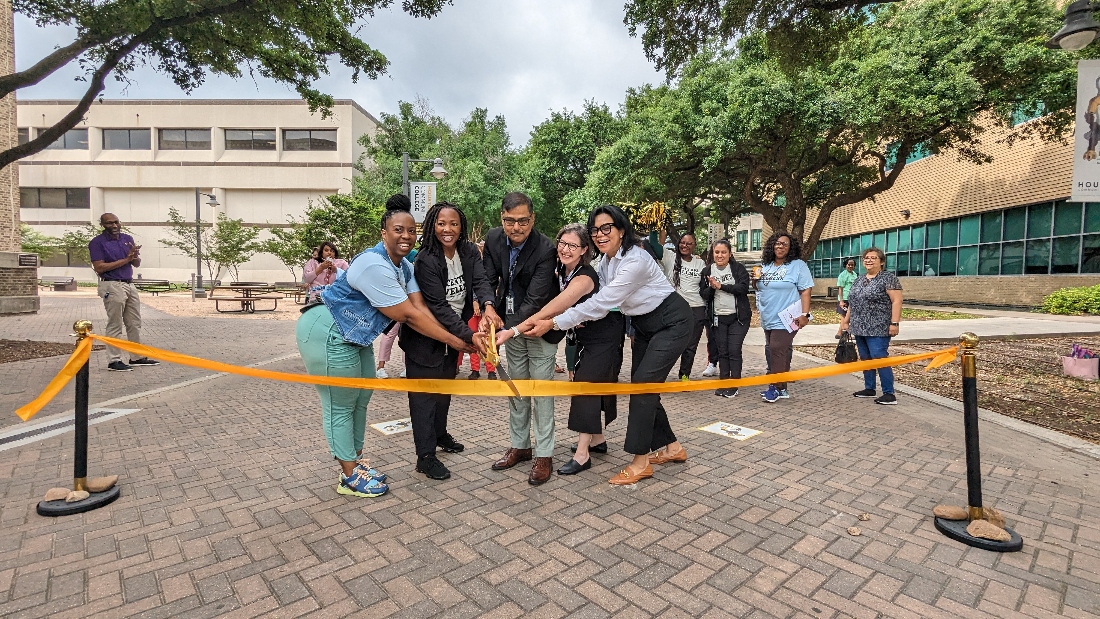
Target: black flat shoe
<point x="595" y="449"/>
<point x="448" y="444"/>
<point x="572" y="468"/>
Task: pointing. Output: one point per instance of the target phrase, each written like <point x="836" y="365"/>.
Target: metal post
<point x="197" y="290"/>
<point x="405" y="174"/>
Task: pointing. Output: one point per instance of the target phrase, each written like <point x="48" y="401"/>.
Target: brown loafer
<point x="540" y="472"/>
<point x="511" y="458"/>
<point x="625" y="478"/>
<point x="664" y="457"/>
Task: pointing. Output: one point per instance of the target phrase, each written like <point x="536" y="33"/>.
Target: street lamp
<point x="1080" y="29"/>
<point x="437" y="170"/>
<point x="197" y="291"/>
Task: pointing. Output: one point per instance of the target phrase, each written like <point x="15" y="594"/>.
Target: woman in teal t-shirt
<point x="844" y="281"/>
<point x="784" y="281"/>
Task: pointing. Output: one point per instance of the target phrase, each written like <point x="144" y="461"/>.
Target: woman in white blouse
<point x="633" y="282"/>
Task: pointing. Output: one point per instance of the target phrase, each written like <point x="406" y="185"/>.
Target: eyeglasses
<point x="782" y="244"/>
<point x="604" y="230"/>
<point x="570" y="246"/>
<point x="522" y="222"/>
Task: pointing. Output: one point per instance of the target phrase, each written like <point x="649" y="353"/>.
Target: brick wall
<point x="992" y="290"/>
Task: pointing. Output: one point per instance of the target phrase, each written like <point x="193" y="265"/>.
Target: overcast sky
<point x="519" y="58"/>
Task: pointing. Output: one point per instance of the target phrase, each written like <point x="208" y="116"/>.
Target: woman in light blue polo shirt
<point x="335" y="339"/>
<point x="784" y="281"/>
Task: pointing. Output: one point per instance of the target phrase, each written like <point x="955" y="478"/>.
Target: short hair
<point x="321" y="250"/>
<point x="397" y="203"/>
<point x="582" y="234"/>
<point x="106" y="214"/>
<point x="516" y="199"/>
<point x="878" y="252"/>
<point x="619" y="220"/>
<point x="767" y="256"/>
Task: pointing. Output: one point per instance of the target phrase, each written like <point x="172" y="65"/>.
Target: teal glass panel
<point x="834" y="248"/>
<point x="1067" y="219"/>
<point x="857" y="246"/>
<point x="949" y="233"/>
<point x="991" y="227"/>
<point x="865" y="241"/>
<point x="1037" y="257"/>
<point x="968" y="260"/>
<point x="891" y="262"/>
<point x="838" y="266"/>
<point x="932" y="237"/>
<point x="1090" y="254"/>
<point x="1014" y="226"/>
<point x="1038" y="221"/>
<point x="932" y="262"/>
<point x="1092" y="217"/>
<point x="989" y="259"/>
<point x="968" y="230"/>
<point x="916" y="263"/>
<point x="1066" y="255"/>
<point x="904" y="238"/>
<point x="846" y="247"/>
<point x="918" y="237"/>
<point x="879" y="241"/>
<point x="903" y="264"/>
<point x="947" y="261"/>
<point x="1012" y="258"/>
<point x="891" y="241"/>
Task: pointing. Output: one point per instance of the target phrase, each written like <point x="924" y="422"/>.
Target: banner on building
<point x="423" y="197"/>
<point x="1086" y="134"/>
<point x="716" y="232"/>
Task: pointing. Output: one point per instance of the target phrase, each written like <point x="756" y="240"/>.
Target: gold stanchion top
<point x="968" y="340"/>
<point x="82" y="328"/>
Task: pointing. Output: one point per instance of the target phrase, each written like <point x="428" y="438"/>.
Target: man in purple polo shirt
<point x="114" y="256"/>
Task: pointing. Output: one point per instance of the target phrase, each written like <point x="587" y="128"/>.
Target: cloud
<point x="518" y="58"/>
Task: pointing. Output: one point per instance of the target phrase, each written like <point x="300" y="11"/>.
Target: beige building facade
<point x="263" y="160"/>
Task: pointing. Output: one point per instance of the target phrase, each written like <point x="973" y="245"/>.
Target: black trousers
<point x="712" y="345"/>
<point x="699" y="322"/>
<point x="778" y="351"/>
<point x="429" y="410"/>
<point x="729" y="336"/>
<point x="659" y="340"/>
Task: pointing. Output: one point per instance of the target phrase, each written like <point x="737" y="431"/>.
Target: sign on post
<point x="1086" y="135"/>
<point x="422" y="196"/>
<point x="715" y="232"/>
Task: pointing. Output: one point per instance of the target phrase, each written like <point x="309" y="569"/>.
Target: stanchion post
<point x="957" y="529"/>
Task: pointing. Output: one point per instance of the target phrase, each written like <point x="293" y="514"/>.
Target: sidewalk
<point x="228" y="508"/>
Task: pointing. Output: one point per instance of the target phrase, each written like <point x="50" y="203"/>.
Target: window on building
<point x="309" y="139"/>
<point x="1038" y="221"/>
<point x="742" y="240"/>
<point x="249" y="139"/>
<point x="1090" y="253"/>
<point x="903" y="264"/>
<point x="24" y="135"/>
<point x="126" y="139"/>
<point x="932" y="237"/>
<point x="991" y="227"/>
<point x="920" y="151"/>
<point x="891" y="240"/>
<point x="989" y="259"/>
<point x="949" y="233"/>
<point x="184" y="139"/>
<point x="1037" y="257"/>
<point x="918" y="237"/>
<point x="968" y="260"/>
<point x="879" y="240"/>
<point x="1065" y="255"/>
<point x="1015" y="224"/>
<point x="905" y="236"/>
<point x="1067" y="218"/>
<point x="1012" y="258"/>
<point x="1092" y="217"/>
<point x="54" y="197"/>
<point x="756" y="242"/>
<point x="73" y="139"/>
<point x="932" y="262"/>
<point x="1021" y="112"/>
<point x="948" y="261"/>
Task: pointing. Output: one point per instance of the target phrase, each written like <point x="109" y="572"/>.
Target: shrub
<point x="1081" y="300"/>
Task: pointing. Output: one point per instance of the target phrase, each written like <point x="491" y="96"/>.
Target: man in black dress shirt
<point x="519" y="262"/>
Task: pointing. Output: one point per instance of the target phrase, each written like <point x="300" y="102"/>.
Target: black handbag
<point x="846" y="350"/>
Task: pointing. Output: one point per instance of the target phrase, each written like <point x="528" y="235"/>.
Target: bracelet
<point x="554" y="323"/>
<point x="515" y="332"/>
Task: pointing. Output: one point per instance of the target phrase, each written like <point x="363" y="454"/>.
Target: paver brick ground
<point x="229" y="507"/>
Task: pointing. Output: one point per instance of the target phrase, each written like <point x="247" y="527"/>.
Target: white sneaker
<point x="710" y="371"/>
<point x="402" y="373"/>
<point x="381" y="373"/>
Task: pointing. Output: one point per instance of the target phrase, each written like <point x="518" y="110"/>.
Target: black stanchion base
<point x="956" y="530"/>
<point x="95" y="501"/>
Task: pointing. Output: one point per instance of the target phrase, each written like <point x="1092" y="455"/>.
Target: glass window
<point x="1038" y="221"/>
<point x="949" y="233"/>
<point x="78" y="198"/>
<point x="755" y="239"/>
<point x="743" y="240"/>
<point x="903" y="264"/>
<point x="198" y="139"/>
<point x="918" y="237"/>
<point x="250" y="139"/>
<point x="879" y="241"/>
<point x="1067" y="218"/>
<point x="845" y="247"/>
<point x="309" y="139"/>
<point x="1066" y="255"/>
<point x="126" y="139"/>
<point x="28" y="197"/>
<point x="891" y="262"/>
<point x="865" y="241"/>
<point x="968" y="230"/>
<point x="322" y="140"/>
<point x="931" y="262"/>
<point x="1090" y="254"/>
<point x="1037" y="257"/>
<point x="184" y="139"/>
<point x="932" y="237"/>
<point x="1012" y="258"/>
<point x="989" y="259"/>
<point x="51" y="198"/>
<point x="891" y="240"/>
<point x="904" y="239"/>
<point x="855" y="248"/>
<point x="968" y="260"/>
<point x="73" y="139"/>
<point x="54" y="197"/>
<point x="24" y="135"/>
<point x="1092" y="217"/>
<point x="991" y="227"/>
<point x="1014" y="224"/>
<point x="835" y="249"/>
<point x="947" y="261"/>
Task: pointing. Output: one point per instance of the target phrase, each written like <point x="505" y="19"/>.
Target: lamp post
<point x="437" y="170"/>
<point x="197" y="291"/>
<point x="1079" y="30"/>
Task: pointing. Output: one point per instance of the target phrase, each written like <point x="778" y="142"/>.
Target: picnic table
<point x="247" y="294"/>
<point x="154" y="286"/>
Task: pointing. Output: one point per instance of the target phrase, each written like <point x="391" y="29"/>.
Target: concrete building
<point x="263" y="160"/>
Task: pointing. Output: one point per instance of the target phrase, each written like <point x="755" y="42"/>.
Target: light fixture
<point x="1080" y="28"/>
<point x="212" y="202"/>
<point x="905" y="213"/>
<point x="437" y="170"/>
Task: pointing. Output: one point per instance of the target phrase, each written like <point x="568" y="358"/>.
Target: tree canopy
<point x="285" y="40"/>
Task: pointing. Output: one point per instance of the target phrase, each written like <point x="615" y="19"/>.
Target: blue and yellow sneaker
<point x="360" y="484"/>
<point x="363" y="464"/>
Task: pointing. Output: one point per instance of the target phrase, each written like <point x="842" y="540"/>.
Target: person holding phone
<point x="114" y="256"/>
<point x="725" y="288"/>
<point x="321" y="271"/>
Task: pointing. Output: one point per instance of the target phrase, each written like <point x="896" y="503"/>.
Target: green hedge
<point x="1082" y="300"/>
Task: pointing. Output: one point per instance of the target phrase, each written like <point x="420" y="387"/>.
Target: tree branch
<point x="45" y="67"/>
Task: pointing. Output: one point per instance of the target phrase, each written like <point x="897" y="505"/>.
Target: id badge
<point x="510" y="305"/>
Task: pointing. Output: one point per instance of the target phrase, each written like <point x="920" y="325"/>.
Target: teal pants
<point x="325" y="353"/>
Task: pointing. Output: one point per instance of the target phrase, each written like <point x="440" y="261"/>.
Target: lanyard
<point x="563" y="282"/>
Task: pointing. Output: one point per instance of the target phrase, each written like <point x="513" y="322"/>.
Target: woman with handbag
<point x="725" y="288"/>
<point x="874" y="316"/>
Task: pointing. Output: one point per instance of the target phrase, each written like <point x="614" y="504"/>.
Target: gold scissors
<point x="493" y="357"/>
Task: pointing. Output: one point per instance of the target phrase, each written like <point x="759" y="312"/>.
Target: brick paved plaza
<point x="229" y="507"/>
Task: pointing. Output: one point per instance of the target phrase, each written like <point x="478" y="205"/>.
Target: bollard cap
<point x="968" y="340"/>
<point x="82" y="327"/>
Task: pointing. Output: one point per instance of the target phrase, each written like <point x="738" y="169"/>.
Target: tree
<point x="32" y="241"/>
<point x="741" y="132"/>
<point x="284" y="40"/>
<point x="290" y="247"/>
<point x="75" y="242"/>
<point x="181" y="237"/>
<point x="232" y="244"/>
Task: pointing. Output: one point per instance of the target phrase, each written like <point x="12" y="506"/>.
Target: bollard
<point x="956" y="529"/>
<point x="95" y="500"/>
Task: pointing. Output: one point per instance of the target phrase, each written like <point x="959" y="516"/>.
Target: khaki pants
<point x="123" y="311"/>
<point x="531" y="357"/>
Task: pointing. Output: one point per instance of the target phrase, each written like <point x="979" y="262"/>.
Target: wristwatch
<point x="808" y="316"/>
<point x="895" y="324"/>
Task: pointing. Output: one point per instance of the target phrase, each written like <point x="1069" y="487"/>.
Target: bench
<point x="154" y="285"/>
<point x="248" y="304"/>
<point x="59" y="284"/>
<point x="832" y="292"/>
<point x="295" y="290"/>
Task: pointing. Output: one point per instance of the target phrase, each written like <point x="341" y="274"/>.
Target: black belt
<point x="125" y="281"/>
